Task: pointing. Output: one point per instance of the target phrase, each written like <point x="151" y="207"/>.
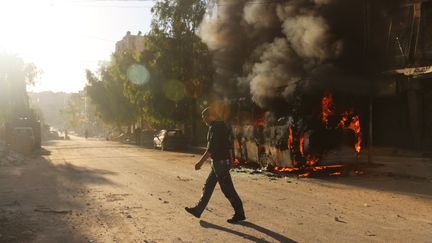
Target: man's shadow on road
<point x="263" y="230"/>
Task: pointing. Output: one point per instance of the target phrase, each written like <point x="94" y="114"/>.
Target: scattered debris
<point x="10" y="158"/>
<point x="183" y="179"/>
<point x="339" y="220"/>
<point x="112" y="197"/>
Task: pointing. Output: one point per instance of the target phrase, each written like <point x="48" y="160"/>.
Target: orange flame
<point x="327" y="108"/>
<point x="236" y="162"/>
<point x="312" y="160"/>
<point x="344" y="118"/>
<point x="305" y="174"/>
<point x="301" y="145"/>
<point x="355" y="126"/>
<point x="310" y="169"/>
<point x="290" y="139"/>
<point x="285" y="169"/>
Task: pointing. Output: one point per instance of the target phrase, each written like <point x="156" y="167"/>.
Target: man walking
<point x="219" y="149"/>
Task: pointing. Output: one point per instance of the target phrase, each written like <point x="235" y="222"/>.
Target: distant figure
<point x="86" y="133"/>
<point x="66" y="137"/>
<point x="137" y="133"/>
<point x="219" y="149"/>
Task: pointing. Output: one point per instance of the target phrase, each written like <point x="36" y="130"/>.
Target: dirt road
<point x="98" y="191"/>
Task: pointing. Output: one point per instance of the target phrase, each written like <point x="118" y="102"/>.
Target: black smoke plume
<point x="271" y="49"/>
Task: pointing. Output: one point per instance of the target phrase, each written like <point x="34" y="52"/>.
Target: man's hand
<point x="198" y="165"/>
<point x="205" y="156"/>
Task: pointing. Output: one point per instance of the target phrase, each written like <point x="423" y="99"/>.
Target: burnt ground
<point x="99" y="191"/>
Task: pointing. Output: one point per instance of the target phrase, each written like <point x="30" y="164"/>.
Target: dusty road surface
<point x="98" y="191"/>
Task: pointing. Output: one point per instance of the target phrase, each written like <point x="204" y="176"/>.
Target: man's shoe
<point x="193" y="211"/>
<point x="236" y="219"/>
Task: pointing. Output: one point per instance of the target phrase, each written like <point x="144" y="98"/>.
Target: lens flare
<point x="221" y="110"/>
<point x="174" y="90"/>
<point x="138" y="74"/>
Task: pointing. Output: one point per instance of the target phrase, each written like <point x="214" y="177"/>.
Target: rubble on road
<point x="8" y="157"/>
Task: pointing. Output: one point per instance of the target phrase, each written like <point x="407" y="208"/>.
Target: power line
<point x="258" y="2"/>
<point x="94" y="3"/>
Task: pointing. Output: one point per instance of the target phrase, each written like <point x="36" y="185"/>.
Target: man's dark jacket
<point x="219" y="141"/>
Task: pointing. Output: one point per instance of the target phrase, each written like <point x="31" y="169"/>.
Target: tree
<point x="80" y="115"/>
<point x="106" y="93"/>
<point x="176" y="64"/>
<point x="15" y="74"/>
<point x="180" y="63"/>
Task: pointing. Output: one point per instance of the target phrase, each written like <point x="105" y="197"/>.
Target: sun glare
<point x="63" y="38"/>
<point x="46" y="33"/>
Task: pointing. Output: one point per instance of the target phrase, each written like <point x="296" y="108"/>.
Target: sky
<point x="63" y="38"/>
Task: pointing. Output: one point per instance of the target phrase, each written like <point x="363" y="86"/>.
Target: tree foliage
<point x="15" y="74"/>
<point x="106" y="93"/>
<point x="79" y="115"/>
<point x="178" y="62"/>
<point x="178" y="57"/>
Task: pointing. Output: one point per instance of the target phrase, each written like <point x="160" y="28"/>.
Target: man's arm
<point x="204" y="157"/>
<point x="210" y="148"/>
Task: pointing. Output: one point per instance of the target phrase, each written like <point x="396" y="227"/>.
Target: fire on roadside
<point x="348" y="120"/>
<point x="290" y="139"/>
<point x="354" y="125"/>
<point x="327" y="108"/>
<point x="326" y="170"/>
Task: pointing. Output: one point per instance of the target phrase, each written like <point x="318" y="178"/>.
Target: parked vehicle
<point x="23" y="139"/>
<point x="169" y="139"/>
<point x="24" y="122"/>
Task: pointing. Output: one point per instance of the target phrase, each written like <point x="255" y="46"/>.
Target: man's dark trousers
<point x="220" y="173"/>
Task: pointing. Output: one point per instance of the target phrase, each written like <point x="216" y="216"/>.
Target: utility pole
<point x="367" y="50"/>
